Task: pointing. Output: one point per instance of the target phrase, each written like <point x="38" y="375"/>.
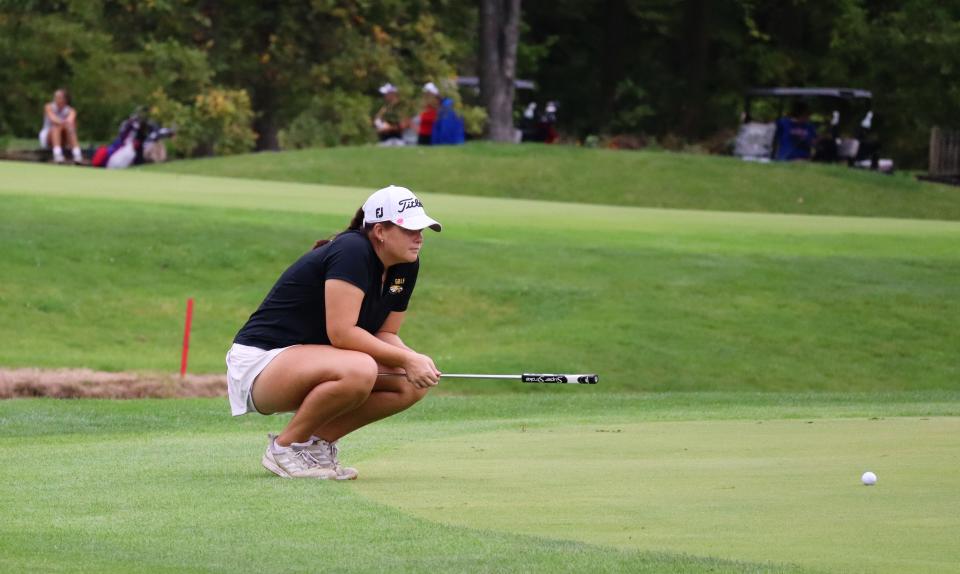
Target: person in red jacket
<point x="431" y="102"/>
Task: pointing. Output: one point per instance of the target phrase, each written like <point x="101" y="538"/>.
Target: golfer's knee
<point x="360" y="374"/>
<point x="414" y="394"/>
<point x="408" y="395"/>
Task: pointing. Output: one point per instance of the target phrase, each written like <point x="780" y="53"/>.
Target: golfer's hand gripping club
<point x="420" y="370"/>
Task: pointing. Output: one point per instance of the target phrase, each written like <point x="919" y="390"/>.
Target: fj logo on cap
<point x="379" y="212"/>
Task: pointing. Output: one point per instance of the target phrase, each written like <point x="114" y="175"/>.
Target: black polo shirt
<point x="293" y="311"/>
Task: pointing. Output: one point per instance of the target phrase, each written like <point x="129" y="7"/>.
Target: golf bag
<point x="138" y="139"/>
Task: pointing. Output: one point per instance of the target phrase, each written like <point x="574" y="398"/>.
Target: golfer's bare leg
<point x="390" y="396"/>
<point x="319" y="382"/>
<point x="72" y="140"/>
<point x="56" y="136"/>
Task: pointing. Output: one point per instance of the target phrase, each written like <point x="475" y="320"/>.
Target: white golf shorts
<point x="244" y="365"/>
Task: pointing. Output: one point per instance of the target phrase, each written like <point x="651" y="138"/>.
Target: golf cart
<point x="843" y="117"/>
<point x="535" y="125"/>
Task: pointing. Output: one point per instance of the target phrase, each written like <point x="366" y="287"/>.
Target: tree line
<point x="306" y="73"/>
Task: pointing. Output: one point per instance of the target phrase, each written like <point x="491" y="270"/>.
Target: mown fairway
<point x="753" y="366"/>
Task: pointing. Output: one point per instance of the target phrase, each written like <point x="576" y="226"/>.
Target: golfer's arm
<point x="72" y="117"/>
<point x="48" y="109"/>
<point x="388" y="333"/>
<point x="343" y="301"/>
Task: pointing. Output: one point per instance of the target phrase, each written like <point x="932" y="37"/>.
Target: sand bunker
<point x="87" y="384"/>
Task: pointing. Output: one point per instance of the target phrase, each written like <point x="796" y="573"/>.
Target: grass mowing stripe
<point x="50" y="419"/>
<point x="201" y="190"/>
<point x="651" y="179"/>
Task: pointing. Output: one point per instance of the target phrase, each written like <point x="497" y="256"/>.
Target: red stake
<point x="186" y="338"/>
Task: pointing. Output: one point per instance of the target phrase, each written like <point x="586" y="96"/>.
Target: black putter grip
<point x="562" y="379"/>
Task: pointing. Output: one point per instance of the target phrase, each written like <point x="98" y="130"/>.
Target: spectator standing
<point x="388" y="120"/>
<point x="431" y="103"/>
<point x="60" y="127"/>
<point x="548" y="122"/>
<point x="448" y="129"/>
<point x="528" y="123"/>
<point x="796" y="135"/>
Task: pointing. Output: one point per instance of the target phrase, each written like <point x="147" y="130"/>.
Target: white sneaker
<point x="57" y="157"/>
<point x="329" y="453"/>
<point x="295" y="461"/>
<point x="77" y="155"/>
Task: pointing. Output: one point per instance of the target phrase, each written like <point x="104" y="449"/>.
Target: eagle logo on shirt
<point x="397" y="286"/>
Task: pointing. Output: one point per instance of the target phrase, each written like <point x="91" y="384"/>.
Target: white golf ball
<point x="869" y="478"/>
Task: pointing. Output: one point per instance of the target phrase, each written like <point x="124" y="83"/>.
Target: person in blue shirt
<point x="796" y="135"/>
<point x="448" y="129"/>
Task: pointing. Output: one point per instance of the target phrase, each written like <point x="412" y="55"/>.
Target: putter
<point x="588" y="379"/>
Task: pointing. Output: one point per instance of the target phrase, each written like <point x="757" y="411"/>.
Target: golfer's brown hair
<point x="356" y="224"/>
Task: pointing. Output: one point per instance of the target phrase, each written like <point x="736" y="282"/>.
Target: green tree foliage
<point x="680" y="66"/>
<point x="332" y="118"/>
<point x="40" y="52"/>
<point x="909" y="53"/>
<point x="216" y="122"/>
<point x="663" y="68"/>
<point x="313" y="67"/>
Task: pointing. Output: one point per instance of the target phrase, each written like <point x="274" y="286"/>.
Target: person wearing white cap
<point x="431" y="103"/>
<point x="388" y="121"/>
<point x="326" y="329"/>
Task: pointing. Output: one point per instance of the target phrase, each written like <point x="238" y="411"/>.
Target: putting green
<point x="746" y="490"/>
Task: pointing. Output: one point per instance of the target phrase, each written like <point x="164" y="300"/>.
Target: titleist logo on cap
<point x="409" y="203"/>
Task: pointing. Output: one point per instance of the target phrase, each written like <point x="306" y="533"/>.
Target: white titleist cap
<point x="431" y="88"/>
<point x="388" y="88"/>
<point x="399" y="206"/>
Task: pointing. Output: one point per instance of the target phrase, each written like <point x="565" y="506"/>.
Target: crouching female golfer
<point x="325" y="330"/>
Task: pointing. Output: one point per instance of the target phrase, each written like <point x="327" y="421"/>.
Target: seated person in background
<point x="431" y="102"/>
<point x="60" y="127"/>
<point x="795" y="134"/>
<point x="388" y="121"/>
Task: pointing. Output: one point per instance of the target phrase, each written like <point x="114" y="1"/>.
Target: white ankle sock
<point x="76" y="153"/>
<point x="57" y="150"/>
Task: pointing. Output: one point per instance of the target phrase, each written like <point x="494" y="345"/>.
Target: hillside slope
<point x="98" y="265"/>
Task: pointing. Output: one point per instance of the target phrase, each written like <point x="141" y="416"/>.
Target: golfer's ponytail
<point x="356" y="224"/>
